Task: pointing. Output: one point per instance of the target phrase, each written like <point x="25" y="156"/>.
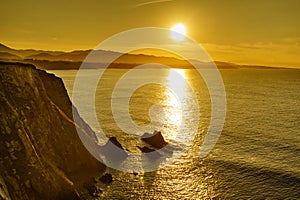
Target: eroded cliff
<point x="41" y="155"/>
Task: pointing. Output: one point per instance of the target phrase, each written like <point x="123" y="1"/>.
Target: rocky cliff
<point x="41" y="155"/>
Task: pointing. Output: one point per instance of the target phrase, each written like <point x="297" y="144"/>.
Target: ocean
<point x="257" y="155"/>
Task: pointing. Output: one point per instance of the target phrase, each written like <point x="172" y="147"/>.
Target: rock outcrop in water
<point x="106" y="178"/>
<point x="156" y="139"/>
<point x="41" y="155"/>
<point x="145" y="149"/>
<point x="113" y="150"/>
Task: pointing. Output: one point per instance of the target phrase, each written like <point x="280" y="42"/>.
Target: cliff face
<point x="41" y="155"/>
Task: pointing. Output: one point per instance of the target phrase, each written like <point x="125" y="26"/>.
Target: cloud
<point x="151" y="2"/>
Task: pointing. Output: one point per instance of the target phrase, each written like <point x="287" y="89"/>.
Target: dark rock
<point x="146" y="149"/>
<point x="116" y="142"/>
<point x="41" y="154"/>
<point x="150" y="153"/>
<point x="135" y="173"/>
<point x="113" y="150"/>
<point x="156" y="139"/>
<point x="106" y="178"/>
<point x="95" y="191"/>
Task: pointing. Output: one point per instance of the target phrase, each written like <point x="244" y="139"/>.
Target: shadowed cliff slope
<point x="41" y="155"/>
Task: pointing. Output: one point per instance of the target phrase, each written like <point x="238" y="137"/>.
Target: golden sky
<point x="248" y="32"/>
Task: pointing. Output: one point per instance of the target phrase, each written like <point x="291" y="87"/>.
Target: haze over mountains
<point x="7" y="53"/>
<point x="72" y="60"/>
<point x="74" y="56"/>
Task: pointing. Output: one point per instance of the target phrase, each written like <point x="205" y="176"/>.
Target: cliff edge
<point x="41" y="155"/>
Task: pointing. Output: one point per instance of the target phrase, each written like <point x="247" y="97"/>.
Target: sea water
<point x="256" y="157"/>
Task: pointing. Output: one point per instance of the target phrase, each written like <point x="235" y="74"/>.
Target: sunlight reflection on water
<point x="255" y="158"/>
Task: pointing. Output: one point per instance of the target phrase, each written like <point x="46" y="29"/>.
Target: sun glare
<point x="178" y="32"/>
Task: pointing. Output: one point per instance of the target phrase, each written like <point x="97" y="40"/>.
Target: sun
<point x="178" y="32"/>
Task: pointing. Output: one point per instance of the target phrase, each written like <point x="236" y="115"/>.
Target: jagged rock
<point x="106" y="178"/>
<point x="95" y="191"/>
<point x="41" y="154"/>
<point x="146" y="149"/>
<point x="150" y="153"/>
<point x="135" y="173"/>
<point x="156" y="139"/>
<point x="116" y="142"/>
<point x="113" y="150"/>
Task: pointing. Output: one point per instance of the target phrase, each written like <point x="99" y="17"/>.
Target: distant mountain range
<point x="74" y="56"/>
<point x="73" y="60"/>
<point x="77" y="55"/>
